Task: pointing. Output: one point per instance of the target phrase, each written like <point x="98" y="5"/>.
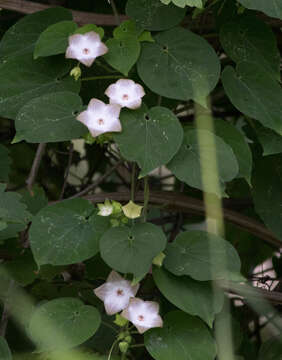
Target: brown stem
<point x="174" y="201"/>
<point x="81" y="17"/>
<point x="35" y="166"/>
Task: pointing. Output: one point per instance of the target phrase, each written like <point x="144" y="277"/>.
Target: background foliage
<point x="211" y="70"/>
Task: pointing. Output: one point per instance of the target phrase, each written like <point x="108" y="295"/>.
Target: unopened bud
<point x="123" y="347"/>
<point x="76" y="73"/>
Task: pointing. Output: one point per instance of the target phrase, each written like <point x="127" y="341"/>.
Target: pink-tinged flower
<point x="115" y="293"/>
<point x="85" y="47"/>
<point x="143" y="314"/>
<point x="100" y="117"/>
<point x="126" y="93"/>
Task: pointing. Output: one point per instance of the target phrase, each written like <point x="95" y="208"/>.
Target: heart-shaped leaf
<point x="153" y="15"/>
<point x="183" y="337"/>
<point x="272" y="8"/>
<point x="54" y="40"/>
<point x="132" y="250"/>
<point x="50" y="118"/>
<point x="247" y="38"/>
<point x="66" y="233"/>
<point x="63" y="323"/>
<point x="20" y="39"/>
<point x="236" y="140"/>
<point x="179" y="65"/>
<point x="23" y="79"/>
<point x="123" y="53"/>
<point x="193" y="297"/>
<point x="151" y="137"/>
<point x="202" y="255"/>
<point x="255" y="94"/>
<point x="186" y="164"/>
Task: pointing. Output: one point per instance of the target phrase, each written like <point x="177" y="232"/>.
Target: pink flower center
<point x="125" y="97"/>
<point x="86" y="51"/>
<point x="119" y="292"/>
<point x="141" y="318"/>
<point x="101" y="122"/>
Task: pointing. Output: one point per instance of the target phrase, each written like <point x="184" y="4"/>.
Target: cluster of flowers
<point x="100" y="117"/>
<point x="119" y="295"/>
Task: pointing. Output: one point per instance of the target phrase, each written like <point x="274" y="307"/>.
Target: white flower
<point x="126" y="93"/>
<point x="143" y="314"/>
<point x="85" y="47"/>
<point x="115" y="293"/>
<point x="105" y="209"/>
<point x="101" y="118"/>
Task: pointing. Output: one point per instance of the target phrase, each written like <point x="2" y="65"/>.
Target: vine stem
<point x="112" y="348"/>
<point x="90" y="78"/>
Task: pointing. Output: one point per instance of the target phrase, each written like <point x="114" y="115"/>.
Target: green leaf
<point x="5" y="353"/>
<point x="267" y="196"/>
<point x="34" y="201"/>
<point x="183" y="337"/>
<point x="54" y="40"/>
<point x="179" y="65"/>
<point x="236" y="140"/>
<point x="271" y="349"/>
<point x="90" y="27"/>
<point x="132" y="250"/>
<point x="63" y="323"/>
<point x="193" y="297"/>
<point x="202" y="255"/>
<point x="5" y="162"/>
<point x="186" y="164"/>
<point x="126" y="29"/>
<point x="23" y="79"/>
<point x="11" y="208"/>
<point x="255" y="94"/>
<point x="150" y="137"/>
<point x="20" y="39"/>
<point x="123" y="53"/>
<point x="271" y="8"/>
<point x="183" y="3"/>
<point x="247" y="38"/>
<point x="11" y="231"/>
<point x="153" y="15"/>
<point x="270" y="140"/>
<point x="66" y="233"/>
<point x="22" y="269"/>
<point x="50" y="118"/>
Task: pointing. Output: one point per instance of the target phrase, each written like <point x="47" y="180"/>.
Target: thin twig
<point x="35" y="166"/>
<point x="67" y="171"/>
<point x="98" y="182"/>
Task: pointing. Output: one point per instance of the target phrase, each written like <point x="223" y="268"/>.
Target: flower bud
<point x="76" y="73"/>
<point x="123" y="347"/>
<point x="158" y="260"/>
